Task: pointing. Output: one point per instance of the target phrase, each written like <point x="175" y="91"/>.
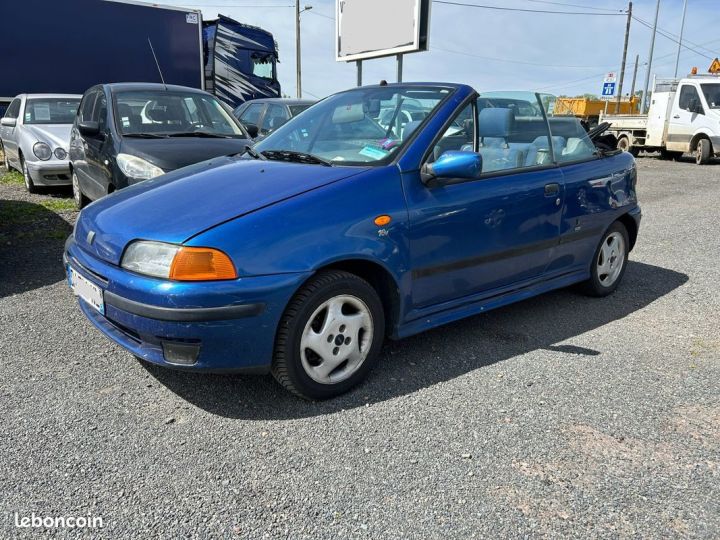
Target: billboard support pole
<point x="358" y="63"/>
<point x="399" y="67"/>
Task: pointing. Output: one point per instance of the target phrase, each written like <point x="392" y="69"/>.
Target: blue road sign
<point x="608" y="89"/>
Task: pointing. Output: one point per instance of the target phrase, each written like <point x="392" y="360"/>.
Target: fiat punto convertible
<point x="382" y="211"/>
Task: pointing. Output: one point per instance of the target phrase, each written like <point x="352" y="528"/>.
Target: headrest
<point x="495" y="122"/>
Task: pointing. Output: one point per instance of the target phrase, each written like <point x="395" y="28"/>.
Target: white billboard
<point x="375" y="28"/>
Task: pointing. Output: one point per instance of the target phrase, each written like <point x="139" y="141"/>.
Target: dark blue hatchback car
<point x="380" y="211"/>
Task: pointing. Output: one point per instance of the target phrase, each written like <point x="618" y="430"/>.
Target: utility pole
<point x="298" y="73"/>
<point x="298" y="61"/>
<point x="632" y="86"/>
<point x="624" y="58"/>
<point x="682" y="27"/>
<point x="644" y="107"/>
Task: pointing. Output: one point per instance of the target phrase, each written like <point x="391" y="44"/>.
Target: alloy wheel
<point x="611" y="259"/>
<point x="337" y="339"/>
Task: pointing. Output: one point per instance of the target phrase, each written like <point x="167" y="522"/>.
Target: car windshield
<point x="359" y="127"/>
<point x="173" y="113"/>
<point x="712" y="94"/>
<point x="50" y="110"/>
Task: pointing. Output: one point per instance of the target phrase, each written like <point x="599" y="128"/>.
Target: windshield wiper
<point x="145" y="135"/>
<point x="254" y="153"/>
<point x="199" y="134"/>
<point x="297" y="157"/>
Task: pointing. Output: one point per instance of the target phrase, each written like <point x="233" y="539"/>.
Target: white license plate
<point x="88" y="291"/>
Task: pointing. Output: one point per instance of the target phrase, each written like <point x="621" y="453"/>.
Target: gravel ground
<point x="561" y="416"/>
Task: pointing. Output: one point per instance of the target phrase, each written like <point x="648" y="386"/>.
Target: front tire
<point x="329" y="337"/>
<point x="80" y="199"/>
<point x="29" y="184"/>
<point x="609" y="263"/>
<point x="703" y="152"/>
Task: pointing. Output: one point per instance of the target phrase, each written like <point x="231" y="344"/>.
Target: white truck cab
<point x="684" y="116"/>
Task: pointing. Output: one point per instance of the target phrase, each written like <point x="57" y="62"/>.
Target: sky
<point x="492" y="49"/>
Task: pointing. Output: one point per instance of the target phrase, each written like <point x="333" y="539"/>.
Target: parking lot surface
<point x="559" y="416"/>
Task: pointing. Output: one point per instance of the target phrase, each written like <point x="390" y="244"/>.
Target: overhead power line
<point x="499" y="8"/>
<point x="575" y="5"/>
<point x="668" y="36"/>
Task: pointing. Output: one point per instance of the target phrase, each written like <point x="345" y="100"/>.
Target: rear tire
<point x="703" y="152"/>
<point x="29" y="184"/>
<point x="609" y="262"/>
<point x="329" y="337"/>
<point x="624" y="145"/>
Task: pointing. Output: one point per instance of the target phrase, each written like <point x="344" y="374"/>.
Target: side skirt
<point x="480" y="303"/>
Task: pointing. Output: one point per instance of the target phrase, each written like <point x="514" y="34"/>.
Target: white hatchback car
<point x="35" y="134"/>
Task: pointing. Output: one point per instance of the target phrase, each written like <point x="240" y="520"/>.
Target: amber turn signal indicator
<point x="383" y="220"/>
<point x="201" y="264"/>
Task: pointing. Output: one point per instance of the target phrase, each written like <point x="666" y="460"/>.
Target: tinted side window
<point x="100" y="111"/>
<point x="687" y="94"/>
<point x="14" y="109"/>
<point x="275" y="116"/>
<point x="252" y="114"/>
<point x="86" y="106"/>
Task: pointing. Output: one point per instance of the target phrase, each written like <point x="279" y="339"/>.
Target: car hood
<point x="179" y="205"/>
<point x="177" y="152"/>
<point x="55" y="135"/>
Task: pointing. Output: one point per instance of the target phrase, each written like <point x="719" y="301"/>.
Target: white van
<point x="684" y="116"/>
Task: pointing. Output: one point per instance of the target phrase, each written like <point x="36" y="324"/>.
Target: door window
<point x="100" y="111"/>
<point x="252" y="114"/>
<point x="458" y="136"/>
<point x="86" y="106"/>
<point x="275" y="116"/>
<point x="14" y="109"/>
<point x="689" y="97"/>
<point x="512" y="132"/>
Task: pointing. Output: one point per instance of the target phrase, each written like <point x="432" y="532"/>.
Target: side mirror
<point x="252" y="130"/>
<point x="451" y="165"/>
<point x="88" y="128"/>
<point x="8" y="122"/>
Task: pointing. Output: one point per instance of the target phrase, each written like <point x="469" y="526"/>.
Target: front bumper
<point x="53" y="172"/>
<point x="229" y="324"/>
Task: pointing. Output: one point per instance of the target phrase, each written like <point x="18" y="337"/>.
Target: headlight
<point x="60" y="153"/>
<point x="179" y="263"/>
<point x="138" y="168"/>
<point x="42" y="151"/>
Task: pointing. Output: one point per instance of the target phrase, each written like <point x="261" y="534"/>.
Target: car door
<point x="98" y="171"/>
<point x="686" y="117"/>
<point x="481" y="237"/>
<point x="9" y="133"/>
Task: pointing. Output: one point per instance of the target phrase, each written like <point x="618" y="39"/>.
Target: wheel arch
<point x="379" y="277"/>
<point x="631" y="227"/>
<point x="696" y="138"/>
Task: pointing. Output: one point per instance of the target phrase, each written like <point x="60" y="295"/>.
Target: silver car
<point x="35" y="134"/>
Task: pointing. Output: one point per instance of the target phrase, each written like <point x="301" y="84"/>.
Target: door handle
<point x="552" y="189"/>
<point x="676" y="116"/>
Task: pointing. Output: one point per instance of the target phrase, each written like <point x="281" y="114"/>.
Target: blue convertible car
<point x="381" y="211"/>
